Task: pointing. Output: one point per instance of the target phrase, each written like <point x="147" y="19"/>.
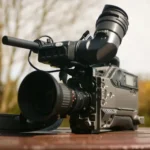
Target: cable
<point x="51" y="41"/>
<point x="47" y="37"/>
<point x="36" y="67"/>
<point x="75" y="63"/>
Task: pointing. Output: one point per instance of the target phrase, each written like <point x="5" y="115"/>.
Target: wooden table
<point x="62" y="139"/>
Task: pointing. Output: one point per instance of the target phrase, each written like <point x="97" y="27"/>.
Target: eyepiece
<point x="113" y="19"/>
<point x="111" y="27"/>
<point x="115" y="8"/>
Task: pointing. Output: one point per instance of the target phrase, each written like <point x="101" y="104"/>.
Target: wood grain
<point x="62" y="139"/>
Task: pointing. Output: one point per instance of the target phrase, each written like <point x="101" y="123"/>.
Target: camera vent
<point x="111" y="72"/>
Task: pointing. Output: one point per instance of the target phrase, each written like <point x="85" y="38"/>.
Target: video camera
<point x="98" y="95"/>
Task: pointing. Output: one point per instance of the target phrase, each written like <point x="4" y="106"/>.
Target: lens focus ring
<point x="66" y="99"/>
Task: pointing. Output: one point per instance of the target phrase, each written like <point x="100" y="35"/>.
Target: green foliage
<point x="65" y="122"/>
<point x="147" y="120"/>
<point x="14" y="110"/>
<point x="144" y="100"/>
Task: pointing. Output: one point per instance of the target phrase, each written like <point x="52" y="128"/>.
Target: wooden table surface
<point x="62" y="139"/>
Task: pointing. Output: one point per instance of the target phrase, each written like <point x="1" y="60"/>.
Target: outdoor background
<point x="68" y="20"/>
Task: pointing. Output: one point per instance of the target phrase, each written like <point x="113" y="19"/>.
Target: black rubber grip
<point x="7" y="40"/>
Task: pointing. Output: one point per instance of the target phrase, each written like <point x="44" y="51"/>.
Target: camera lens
<point x="40" y="97"/>
<point x="36" y="96"/>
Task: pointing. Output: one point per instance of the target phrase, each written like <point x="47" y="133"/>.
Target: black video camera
<point x="98" y="95"/>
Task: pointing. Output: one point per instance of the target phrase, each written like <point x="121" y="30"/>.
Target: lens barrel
<point x="40" y="97"/>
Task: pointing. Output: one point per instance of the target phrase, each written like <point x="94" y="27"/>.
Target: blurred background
<point x="68" y="20"/>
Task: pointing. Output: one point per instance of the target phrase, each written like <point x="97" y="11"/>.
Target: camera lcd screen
<point x="130" y="80"/>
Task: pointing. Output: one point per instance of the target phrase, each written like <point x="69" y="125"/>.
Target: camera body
<point x="115" y="104"/>
<point x="99" y="95"/>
